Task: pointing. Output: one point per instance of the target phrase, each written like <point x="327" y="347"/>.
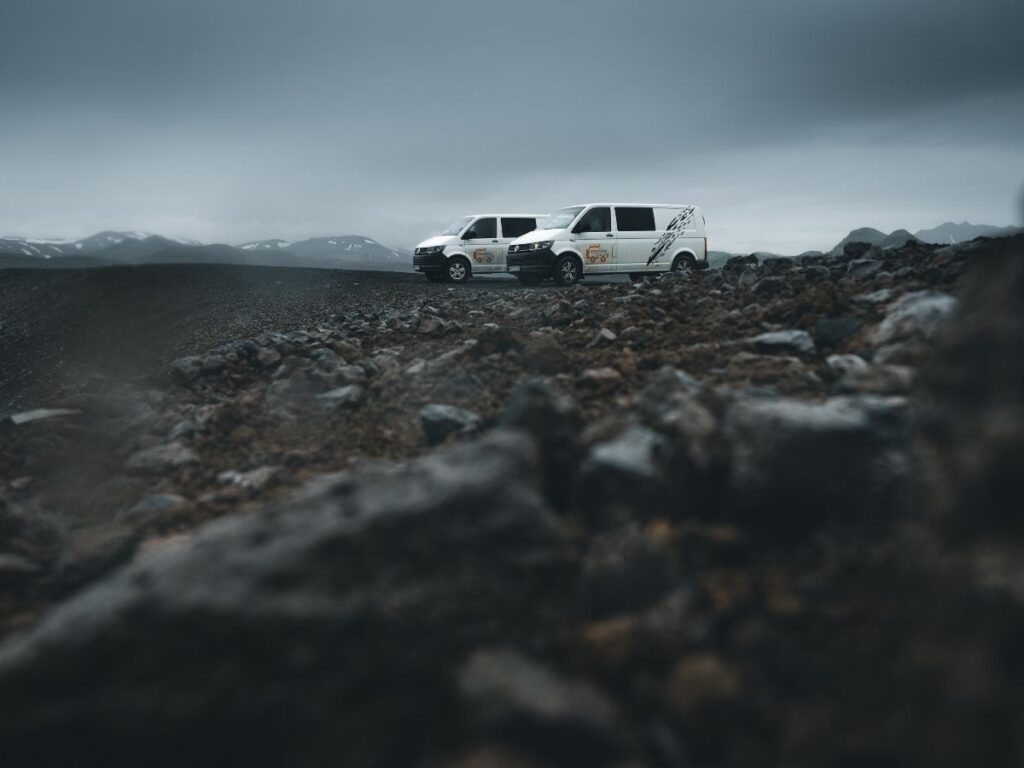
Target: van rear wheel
<point x="567" y="271"/>
<point x="682" y="262"/>
<point x="457" y="270"/>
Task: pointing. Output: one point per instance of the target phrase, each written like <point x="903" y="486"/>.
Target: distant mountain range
<point x="944" y="234"/>
<point x="963" y="232"/>
<point x="109" y="248"/>
<point x="347" y="251"/>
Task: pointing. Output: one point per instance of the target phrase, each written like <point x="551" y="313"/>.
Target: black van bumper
<point x="531" y="262"/>
<point x="429" y="262"/>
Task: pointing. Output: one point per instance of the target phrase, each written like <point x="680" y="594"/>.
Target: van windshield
<point x="458" y="226"/>
<point x="560" y="219"/>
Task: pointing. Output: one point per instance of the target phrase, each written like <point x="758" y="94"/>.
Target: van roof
<point x="635" y="205"/>
<point x="511" y="215"/>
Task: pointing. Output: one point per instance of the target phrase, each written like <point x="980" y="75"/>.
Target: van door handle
<point x="494" y="241"/>
<point x="610" y="235"/>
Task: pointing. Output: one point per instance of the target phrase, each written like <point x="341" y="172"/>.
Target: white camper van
<point x="607" y="238"/>
<point x="473" y="245"/>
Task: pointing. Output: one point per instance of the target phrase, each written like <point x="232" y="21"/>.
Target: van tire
<point x="530" y="280"/>
<point x="567" y="271"/>
<point x="457" y="270"/>
<point x="683" y="262"/>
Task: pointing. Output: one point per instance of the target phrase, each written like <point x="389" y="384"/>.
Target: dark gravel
<point x="57" y="325"/>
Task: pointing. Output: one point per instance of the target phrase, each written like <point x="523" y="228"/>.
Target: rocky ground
<point x="768" y="514"/>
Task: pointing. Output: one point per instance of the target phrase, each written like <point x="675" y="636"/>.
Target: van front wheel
<point x="457" y="270"/>
<point x="567" y="271"/>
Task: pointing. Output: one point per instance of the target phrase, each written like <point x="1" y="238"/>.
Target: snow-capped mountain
<point x="344" y="247"/>
<point x="274" y="244"/>
<point x="108" y="248"/>
<point x="48" y="249"/>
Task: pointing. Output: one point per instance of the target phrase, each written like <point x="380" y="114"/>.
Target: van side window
<point x="517" y="227"/>
<point x="635" y="219"/>
<point x="482" y="228"/>
<point x="595" y="220"/>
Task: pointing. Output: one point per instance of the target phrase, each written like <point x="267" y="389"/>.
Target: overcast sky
<point x="789" y="122"/>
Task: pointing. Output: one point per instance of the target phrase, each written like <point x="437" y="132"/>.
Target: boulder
<point x="625" y="570"/>
<point x="739" y="263"/>
<point x="508" y="692"/>
<point x="309" y="633"/>
<point x="796" y="466"/>
<point x="554" y="422"/>
<point x="861" y="269"/>
<point x="833" y="331"/>
<point x="768" y="286"/>
<point x="672" y="403"/>
<point x="626" y="478"/>
<point x="855" y="250"/>
<point x="915" y="317"/>
<point x="969" y="429"/>
<point x="185" y="370"/>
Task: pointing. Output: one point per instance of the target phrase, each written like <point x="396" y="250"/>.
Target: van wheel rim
<point x="457" y="271"/>
<point x="569" y="271"/>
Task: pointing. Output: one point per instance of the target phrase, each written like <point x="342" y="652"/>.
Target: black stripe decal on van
<point x="672" y="232"/>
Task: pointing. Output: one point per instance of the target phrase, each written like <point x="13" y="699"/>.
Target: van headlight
<point x="430" y="250"/>
<point x="542" y="246"/>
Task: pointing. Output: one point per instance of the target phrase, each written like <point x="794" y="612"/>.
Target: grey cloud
<point x="328" y="114"/>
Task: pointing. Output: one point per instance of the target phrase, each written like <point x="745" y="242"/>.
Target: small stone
<point x="604" y="336"/>
<point x="599" y="376"/>
<point x="502" y="684"/>
<point x="877" y="380"/>
<point x="15" y="569"/>
<point x="348" y="396"/>
<point x="38" y="414"/>
<point x="838" y="366"/>
<point x="185" y="370"/>
<point x="213" y="364"/>
<point x="153" y="506"/>
<point x="430" y="325"/>
<point x="439" y="421"/>
<point x="268" y="358"/>
<point x="625" y="570"/>
<point x="255" y="479"/>
<point x="161" y="458"/>
<point x="791" y="342"/>
<point x="700" y="681"/>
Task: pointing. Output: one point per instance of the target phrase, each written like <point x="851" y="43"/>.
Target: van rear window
<point x="517" y="227"/>
<point x="635" y="219"/>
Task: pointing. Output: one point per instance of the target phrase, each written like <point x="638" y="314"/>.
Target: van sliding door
<point x="636" y="234"/>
